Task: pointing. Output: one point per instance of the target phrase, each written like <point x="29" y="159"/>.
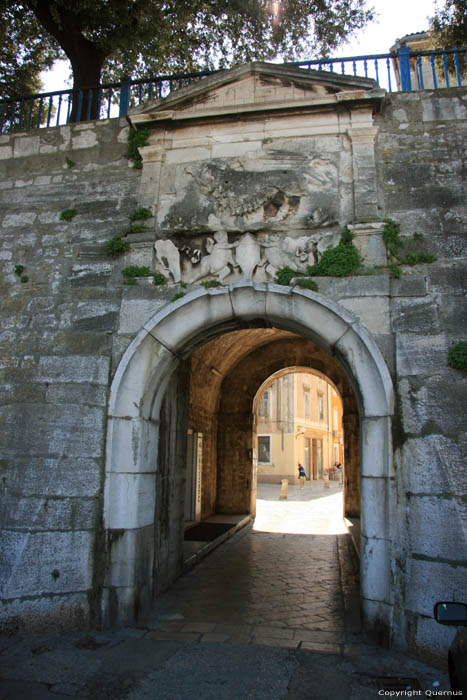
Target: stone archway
<point x="143" y="520"/>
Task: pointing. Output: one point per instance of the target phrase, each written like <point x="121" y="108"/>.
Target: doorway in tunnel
<point x="241" y="373"/>
<point x="299" y="455"/>
<point x="190" y="377"/>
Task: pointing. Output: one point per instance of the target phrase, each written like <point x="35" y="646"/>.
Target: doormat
<point x="207" y="532"/>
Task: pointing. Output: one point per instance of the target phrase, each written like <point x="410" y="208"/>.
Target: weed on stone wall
<point x="116" y="246"/>
<point x="135" y="228"/>
<point x="210" y="284"/>
<point x="394" y="244"/>
<point x="179" y="295"/>
<point x="136" y="271"/>
<point x="338" y="261"/>
<point x="457" y="356"/>
<point x="159" y="278"/>
<point x="132" y="272"/>
<point x="19" y="269"/>
<point x="140" y="214"/>
<point x="306" y="283"/>
<point x="68" y="214"/>
<point x="136" y="139"/>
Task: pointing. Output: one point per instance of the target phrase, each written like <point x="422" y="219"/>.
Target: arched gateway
<point x="144" y="524"/>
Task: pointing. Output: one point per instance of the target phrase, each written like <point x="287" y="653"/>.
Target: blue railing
<point x="401" y="71"/>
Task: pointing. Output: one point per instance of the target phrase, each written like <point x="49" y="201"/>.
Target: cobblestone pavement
<point x="269" y="615"/>
<point x="273" y="585"/>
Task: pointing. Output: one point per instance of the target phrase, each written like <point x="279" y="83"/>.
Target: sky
<point x="396" y="18"/>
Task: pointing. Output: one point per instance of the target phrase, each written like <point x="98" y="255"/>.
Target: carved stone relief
<point x="247" y="256"/>
<point x="216" y="195"/>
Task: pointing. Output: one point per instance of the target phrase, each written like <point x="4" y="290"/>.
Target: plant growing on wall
<point x="159" y="278"/>
<point x="338" y="261"/>
<point x="136" y="138"/>
<point x="140" y="214"/>
<point x="135" y="228"/>
<point x="394" y="244"/>
<point x="19" y="269"/>
<point x="116" y="246"/>
<point x="68" y="214"/>
<point x="457" y="356"/>
<point x="306" y="283"/>
<point x="136" y="271"/>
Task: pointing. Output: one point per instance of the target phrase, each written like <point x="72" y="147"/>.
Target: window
<point x="320" y="407"/>
<point x="306" y="402"/>
<point x="264" y="449"/>
<point x="264" y="407"/>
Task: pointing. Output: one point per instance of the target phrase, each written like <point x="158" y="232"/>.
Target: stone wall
<point x="421" y="158"/>
<point x="56" y="358"/>
<point x="64" y="331"/>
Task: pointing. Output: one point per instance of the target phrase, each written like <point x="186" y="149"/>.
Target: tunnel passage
<point x="225" y="343"/>
<point x="225" y="376"/>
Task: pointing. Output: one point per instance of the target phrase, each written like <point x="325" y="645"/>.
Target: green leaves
<point x="339" y="261"/>
<point x="144" y="37"/>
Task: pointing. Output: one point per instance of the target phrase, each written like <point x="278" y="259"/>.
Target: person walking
<point x="301" y="475"/>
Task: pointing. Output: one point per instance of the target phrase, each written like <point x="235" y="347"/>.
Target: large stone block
<point x="308" y="314"/>
<point x="144" y="371"/>
<point x="37" y="563"/>
<point x="96" y="316"/>
<point x="131" y="557"/>
<point x="409" y="286"/>
<point x="362" y="359"/>
<point x="373" y="312"/>
<point x="134" y="313"/>
<point x="130" y="500"/>
<point x="375" y="569"/>
<point x="74" y="431"/>
<point x="433" y="464"/>
<point x="376" y="447"/>
<point x="431" y="405"/>
<point x="86" y="394"/>
<point x="134" y="445"/>
<point x="436" y="527"/>
<point x="66" y="476"/>
<point x="358" y="286"/>
<point x="48" y="513"/>
<point x="428" y="582"/>
<point x="421" y="354"/>
<point x="183" y="325"/>
<point x="415" y="315"/>
<point x="73" y="369"/>
<point x="55" y="612"/>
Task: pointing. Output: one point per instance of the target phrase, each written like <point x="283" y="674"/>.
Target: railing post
<point x="404" y="67"/>
<point x="124" y="96"/>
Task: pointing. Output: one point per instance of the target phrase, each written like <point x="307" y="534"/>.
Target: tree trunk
<point x="87" y="66"/>
<point x="86" y="58"/>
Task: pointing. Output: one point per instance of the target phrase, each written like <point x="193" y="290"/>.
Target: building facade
<point x="298" y="420"/>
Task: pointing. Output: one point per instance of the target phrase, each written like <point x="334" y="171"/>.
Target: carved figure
<point x="220" y="260"/>
<point x="248" y="255"/>
<point x="168" y="256"/>
<point x="320" y="217"/>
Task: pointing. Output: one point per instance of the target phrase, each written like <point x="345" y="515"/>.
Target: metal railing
<point x="401" y="71"/>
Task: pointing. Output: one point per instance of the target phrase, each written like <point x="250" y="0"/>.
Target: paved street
<point x="273" y="613"/>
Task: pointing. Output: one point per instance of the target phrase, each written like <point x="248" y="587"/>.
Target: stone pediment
<point x="256" y="87"/>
